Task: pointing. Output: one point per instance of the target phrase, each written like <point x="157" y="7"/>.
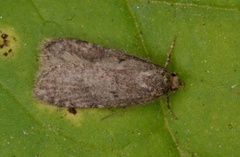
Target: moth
<point x="75" y="73"/>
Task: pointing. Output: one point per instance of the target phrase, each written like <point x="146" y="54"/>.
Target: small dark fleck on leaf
<point x="5" y="42"/>
<point x="72" y="110"/>
<point x="5" y="54"/>
<point x="4" y="36"/>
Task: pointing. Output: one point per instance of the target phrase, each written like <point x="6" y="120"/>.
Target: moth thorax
<point x="174" y="82"/>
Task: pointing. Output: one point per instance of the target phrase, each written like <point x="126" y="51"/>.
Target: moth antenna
<point x="170" y="52"/>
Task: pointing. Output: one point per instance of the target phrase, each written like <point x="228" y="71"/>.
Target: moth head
<point x="175" y="82"/>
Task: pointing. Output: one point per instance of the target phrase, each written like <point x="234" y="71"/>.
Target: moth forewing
<point x="75" y="73"/>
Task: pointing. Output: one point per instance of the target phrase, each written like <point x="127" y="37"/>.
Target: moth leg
<point x="168" y="106"/>
<point x="115" y="112"/>
<point x="170" y="52"/>
<point x="167" y="102"/>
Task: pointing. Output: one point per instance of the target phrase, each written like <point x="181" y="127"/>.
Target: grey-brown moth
<point x="75" y="73"/>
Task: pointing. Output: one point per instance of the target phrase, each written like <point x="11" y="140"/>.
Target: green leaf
<point x="206" y="56"/>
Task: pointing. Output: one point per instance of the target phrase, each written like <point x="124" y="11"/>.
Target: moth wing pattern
<point x="75" y="73"/>
<point x="64" y="50"/>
